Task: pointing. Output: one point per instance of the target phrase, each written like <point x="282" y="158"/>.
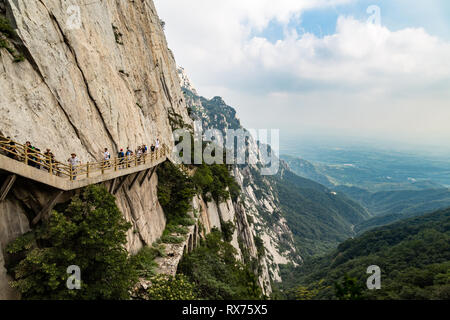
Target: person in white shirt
<point x="157" y="144"/>
<point x="74" y="162"/>
<point x="106" y="157"/>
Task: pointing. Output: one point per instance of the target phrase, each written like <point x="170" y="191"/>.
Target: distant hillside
<point x="317" y="218"/>
<point x="413" y="254"/>
<point x="398" y="201"/>
<point x="390" y="206"/>
<point x="370" y="174"/>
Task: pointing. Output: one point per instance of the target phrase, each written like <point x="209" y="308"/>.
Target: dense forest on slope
<point x="217" y="274"/>
<point x="390" y="206"/>
<point x="318" y="218"/>
<point x="413" y="254"/>
<point x="398" y="201"/>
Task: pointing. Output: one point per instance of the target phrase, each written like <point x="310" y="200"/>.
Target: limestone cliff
<point x="96" y="74"/>
<point x="99" y="74"/>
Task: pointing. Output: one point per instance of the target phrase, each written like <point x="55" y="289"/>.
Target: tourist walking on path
<point x="121" y="156"/>
<point x="106" y="158"/>
<point x="29" y="153"/>
<point x="49" y="159"/>
<point x="11" y="149"/>
<point x="129" y="154"/>
<point x="74" y="163"/>
<point x="157" y="144"/>
<point x="37" y="157"/>
<point x="139" y="154"/>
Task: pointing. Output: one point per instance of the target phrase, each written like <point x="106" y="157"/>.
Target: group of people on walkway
<point x="124" y="156"/>
<point x="34" y="158"/>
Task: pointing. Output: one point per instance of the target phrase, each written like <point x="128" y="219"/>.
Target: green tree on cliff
<point x="90" y="234"/>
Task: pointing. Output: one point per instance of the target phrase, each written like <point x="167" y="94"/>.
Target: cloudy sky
<point x="377" y="68"/>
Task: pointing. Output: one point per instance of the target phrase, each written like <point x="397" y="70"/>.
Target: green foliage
<point x="413" y="254"/>
<point x="6" y="29"/>
<point x="91" y="234"/>
<point x="177" y="288"/>
<point x="310" y="292"/>
<point x="180" y="229"/>
<point x="318" y="219"/>
<point x="203" y="178"/>
<point x="216" y="179"/>
<point x="144" y="261"/>
<point x="228" y="229"/>
<point x="171" y="239"/>
<point x="175" y="191"/>
<point x="217" y="274"/>
<point x="259" y="243"/>
<point x="349" y="289"/>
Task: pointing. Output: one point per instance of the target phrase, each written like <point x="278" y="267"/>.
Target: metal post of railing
<point x="26" y="155"/>
<point x="71" y="172"/>
<point x="115" y="164"/>
<point x="87" y="170"/>
<point x="135" y="161"/>
<point x="103" y="167"/>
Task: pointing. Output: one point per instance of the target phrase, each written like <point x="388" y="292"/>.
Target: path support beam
<point x="145" y="176"/>
<point x="113" y="185"/>
<point x="153" y="172"/>
<point x="47" y="208"/>
<point x="124" y="179"/>
<point x="134" y="181"/>
<point x="7" y="185"/>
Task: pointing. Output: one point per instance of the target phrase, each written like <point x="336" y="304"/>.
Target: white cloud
<point x="363" y="77"/>
<point x="358" y="54"/>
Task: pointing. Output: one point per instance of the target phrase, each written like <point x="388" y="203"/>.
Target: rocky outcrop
<point x="256" y="213"/>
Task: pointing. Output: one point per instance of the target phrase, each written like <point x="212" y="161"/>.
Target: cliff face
<point x="109" y="82"/>
<point x="101" y="78"/>
<point x="257" y="214"/>
<point x="101" y="75"/>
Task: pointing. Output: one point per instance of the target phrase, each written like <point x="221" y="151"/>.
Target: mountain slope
<point x="390" y="206"/>
<point x="413" y="254"/>
<point x="318" y="217"/>
<point x="293" y="216"/>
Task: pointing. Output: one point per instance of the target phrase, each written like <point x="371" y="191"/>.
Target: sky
<point x="377" y="69"/>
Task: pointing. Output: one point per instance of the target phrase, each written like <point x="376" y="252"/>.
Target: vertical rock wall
<point x="96" y="74"/>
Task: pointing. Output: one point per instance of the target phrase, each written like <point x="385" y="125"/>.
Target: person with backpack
<point x="129" y="154"/>
<point x="121" y="156"/>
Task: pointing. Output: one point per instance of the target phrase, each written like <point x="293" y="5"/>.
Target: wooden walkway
<point x="17" y="159"/>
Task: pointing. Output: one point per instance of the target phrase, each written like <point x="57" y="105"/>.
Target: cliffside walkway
<point x="23" y="161"/>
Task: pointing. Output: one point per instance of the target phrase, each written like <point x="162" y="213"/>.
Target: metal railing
<point x="43" y="161"/>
